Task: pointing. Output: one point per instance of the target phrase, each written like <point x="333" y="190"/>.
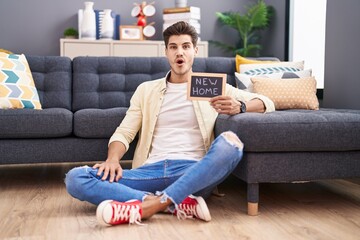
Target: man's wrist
<point x="242" y="107"/>
<point x="113" y="160"/>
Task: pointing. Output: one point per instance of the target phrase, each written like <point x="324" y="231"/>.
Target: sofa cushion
<point x="109" y="82"/>
<point x="53" y="80"/>
<point x="269" y="68"/>
<point x="30" y="123"/>
<point x="17" y="87"/>
<point x="239" y="60"/>
<point x="295" y="130"/>
<point x="243" y="81"/>
<point x="299" y="93"/>
<point x="97" y="123"/>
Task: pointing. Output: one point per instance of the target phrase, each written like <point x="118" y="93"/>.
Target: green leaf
<point x="226" y="19"/>
<point x="258" y="15"/>
<point x="254" y="49"/>
<point x="240" y="51"/>
<point x="243" y="25"/>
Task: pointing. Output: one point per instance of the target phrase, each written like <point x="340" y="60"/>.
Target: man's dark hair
<point x="180" y="28"/>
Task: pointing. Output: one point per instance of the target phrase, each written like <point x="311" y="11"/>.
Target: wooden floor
<point x="34" y="205"/>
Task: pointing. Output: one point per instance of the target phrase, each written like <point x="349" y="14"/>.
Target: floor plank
<point x="34" y="205"/>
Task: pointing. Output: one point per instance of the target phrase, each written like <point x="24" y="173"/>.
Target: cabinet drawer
<point x="86" y="49"/>
<point x="136" y="50"/>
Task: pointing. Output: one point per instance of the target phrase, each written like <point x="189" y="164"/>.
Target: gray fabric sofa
<point x="86" y="98"/>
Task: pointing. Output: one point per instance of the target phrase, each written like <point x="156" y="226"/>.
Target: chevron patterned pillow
<point x="17" y="87"/>
<point x="270" y="68"/>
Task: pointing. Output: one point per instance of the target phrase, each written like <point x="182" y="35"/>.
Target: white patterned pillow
<point x="291" y="93"/>
<point x="244" y="80"/>
<point x="17" y="87"/>
<point x="269" y="68"/>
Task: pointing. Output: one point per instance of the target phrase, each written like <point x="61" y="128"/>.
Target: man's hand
<point x="109" y="167"/>
<point x="225" y="105"/>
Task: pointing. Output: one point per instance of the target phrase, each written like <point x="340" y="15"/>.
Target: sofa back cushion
<point x="53" y="80"/>
<point x="109" y="82"/>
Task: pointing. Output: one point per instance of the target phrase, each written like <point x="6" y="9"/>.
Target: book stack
<point x="187" y="14"/>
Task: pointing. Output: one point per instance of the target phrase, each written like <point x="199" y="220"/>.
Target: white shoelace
<point x="127" y="213"/>
<point x="185" y="211"/>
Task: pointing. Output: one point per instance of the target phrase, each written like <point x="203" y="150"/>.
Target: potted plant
<point x="247" y="25"/>
<point x="71" y="33"/>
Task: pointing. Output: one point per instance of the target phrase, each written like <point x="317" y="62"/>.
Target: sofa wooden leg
<point x="253" y="209"/>
<point x="253" y="198"/>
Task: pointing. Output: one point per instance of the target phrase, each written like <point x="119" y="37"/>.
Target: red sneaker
<point x="193" y="207"/>
<point x="111" y="212"/>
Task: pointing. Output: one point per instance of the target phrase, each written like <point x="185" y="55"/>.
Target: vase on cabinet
<point x="180" y="3"/>
<point x="88" y="23"/>
<point x="107" y="26"/>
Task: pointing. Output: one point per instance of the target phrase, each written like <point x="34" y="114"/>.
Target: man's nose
<point x="179" y="52"/>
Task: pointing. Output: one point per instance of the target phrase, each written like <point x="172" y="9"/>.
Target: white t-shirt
<point x="177" y="134"/>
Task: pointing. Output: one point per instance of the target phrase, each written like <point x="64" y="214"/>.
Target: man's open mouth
<point x="180" y="61"/>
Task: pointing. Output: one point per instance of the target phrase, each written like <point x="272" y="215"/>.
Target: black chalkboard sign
<point x="203" y="86"/>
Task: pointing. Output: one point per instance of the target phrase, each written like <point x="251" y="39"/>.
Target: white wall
<point x="307" y="35"/>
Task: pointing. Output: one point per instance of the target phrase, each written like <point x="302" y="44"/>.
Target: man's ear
<point x="196" y="50"/>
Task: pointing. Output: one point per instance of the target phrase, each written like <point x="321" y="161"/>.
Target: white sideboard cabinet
<point x="78" y="47"/>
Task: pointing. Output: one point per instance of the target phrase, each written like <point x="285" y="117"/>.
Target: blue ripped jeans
<point x="175" y="179"/>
